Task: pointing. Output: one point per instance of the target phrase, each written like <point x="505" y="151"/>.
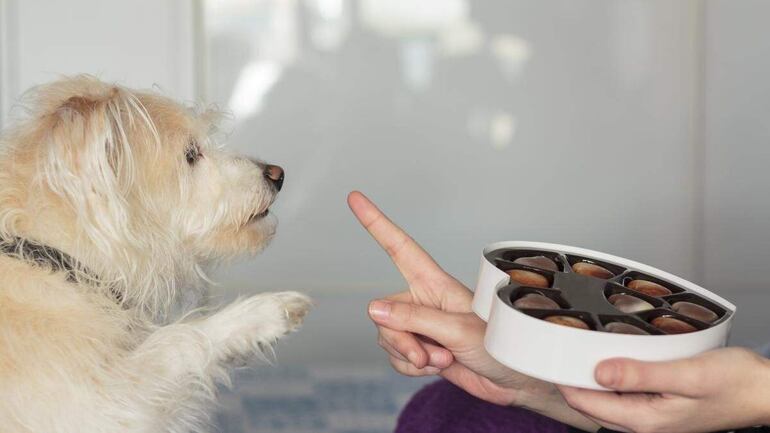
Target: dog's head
<point x="131" y="183"/>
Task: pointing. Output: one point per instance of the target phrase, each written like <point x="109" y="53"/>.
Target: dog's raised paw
<point x="257" y="321"/>
<point x="296" y="306"/>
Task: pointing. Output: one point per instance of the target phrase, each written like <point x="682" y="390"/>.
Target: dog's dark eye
<point x="193" y="152"/>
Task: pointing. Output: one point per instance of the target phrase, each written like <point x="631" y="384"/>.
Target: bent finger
<point x="408" y="369"/>
<point x="406" y="345"/>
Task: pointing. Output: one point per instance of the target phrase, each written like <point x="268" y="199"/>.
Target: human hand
<point x="428" y="286"/>
<point x="718" y="390"/>
<point x="430" y="328"/>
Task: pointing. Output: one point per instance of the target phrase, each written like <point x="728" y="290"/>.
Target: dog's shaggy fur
<point x="129" y="185"/>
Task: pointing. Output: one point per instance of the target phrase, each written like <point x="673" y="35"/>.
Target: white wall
<point x="737" y="133"/>
<point x="138" y="43"/>
<point x="736" y="252"/>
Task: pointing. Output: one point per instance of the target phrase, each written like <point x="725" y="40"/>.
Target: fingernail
<point x="431" y="370"/>
<point x="379" y="309"/>
<point x="607" y="373"/>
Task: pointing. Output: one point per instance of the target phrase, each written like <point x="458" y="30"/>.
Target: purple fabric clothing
<point x="441" y="407"/>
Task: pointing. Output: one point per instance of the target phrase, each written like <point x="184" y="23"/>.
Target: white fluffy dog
<point x="112" y="204"/>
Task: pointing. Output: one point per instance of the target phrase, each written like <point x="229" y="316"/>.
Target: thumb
<point x="680" y="377"/>
<point x="448" y="329"/>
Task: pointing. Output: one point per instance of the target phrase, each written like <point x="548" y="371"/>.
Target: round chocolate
<point x="572" y="322"/>
<point x="592" y="270"/>
<point x="648" y="288"/>
<point x="671" y="325"/>
<point x="541" y="262"/>
<point x="695" y="311"/>
<point x="535" y="300"/>
<point x="624" y="328"/>
<point x="528" y="278"/>
<point x="629" y="304"/>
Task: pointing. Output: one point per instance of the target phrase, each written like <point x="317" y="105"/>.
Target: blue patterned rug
<point x="318" y="400"/>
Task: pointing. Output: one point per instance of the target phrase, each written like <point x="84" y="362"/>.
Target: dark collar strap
<point x="43" y="255"/>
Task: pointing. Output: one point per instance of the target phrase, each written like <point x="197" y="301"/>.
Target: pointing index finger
<point x="412" y="261"/>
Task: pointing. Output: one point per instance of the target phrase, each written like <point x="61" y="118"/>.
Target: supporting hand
<point x="718" y="390"/>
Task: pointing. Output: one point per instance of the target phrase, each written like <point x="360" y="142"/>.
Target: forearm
<point x="548" y="401"/>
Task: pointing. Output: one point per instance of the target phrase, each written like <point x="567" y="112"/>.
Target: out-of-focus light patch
<point x="417" y="58"/>
<point x="254" y="81"/>
<point x="502" y="128"/>
<point x="477" y="124"/>
<point x="460" y="39"/>
<point x="511" y="52"/>
<point x="397" y="18"/>
<point x="330" y="9"/>
<point x="328" y="24"/>
<point x="266" y="33"/>
<point x="219" y="13"/>
<point x="494" y="127"/>
<point x="280" y="40"/>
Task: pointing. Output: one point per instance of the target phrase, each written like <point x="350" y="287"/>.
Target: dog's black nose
<point x="274" y="174"/>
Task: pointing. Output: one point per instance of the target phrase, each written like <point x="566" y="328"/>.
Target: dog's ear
<point x="91" y="161"/>
<point x="78" y="104"/>
<point x="95" y="131"/>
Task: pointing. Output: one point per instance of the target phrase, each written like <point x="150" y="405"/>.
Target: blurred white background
<point x="635" y="127"/>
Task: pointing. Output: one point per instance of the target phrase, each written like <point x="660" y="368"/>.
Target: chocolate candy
<point x="648" y="288"/>
<point x="592" y="270"/>
<point x="541" y="262"/>
<point x="528" y="278"/>
<point x="535" y="300"/>
<point x="572" y="322"/>
<point x="629" y="304"/>
<point x="599" y="294"/>
<point x="695" y="311"/>
<point x="624" y="328"/>
<point x="671" y="325"/>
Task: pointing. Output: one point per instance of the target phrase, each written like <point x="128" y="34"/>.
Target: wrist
<point x="537" y="396"/>
<point x="546" y="400"/>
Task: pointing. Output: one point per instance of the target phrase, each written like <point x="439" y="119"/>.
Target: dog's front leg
<point x="246" y="327"/>
<point x="179" y="365"/>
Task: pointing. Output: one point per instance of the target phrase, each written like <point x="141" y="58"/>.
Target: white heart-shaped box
<point x="569" y="356"/>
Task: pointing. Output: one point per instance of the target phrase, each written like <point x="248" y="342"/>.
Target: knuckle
<point x="415" y="357"/>
<point x="404" y="312"/>
<point x="630" y="375"/>
<point x="394" y="248"/>
<point x="471" y="323"/>
<point x="401" y="345"/>
<point x="460" y="325"/>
